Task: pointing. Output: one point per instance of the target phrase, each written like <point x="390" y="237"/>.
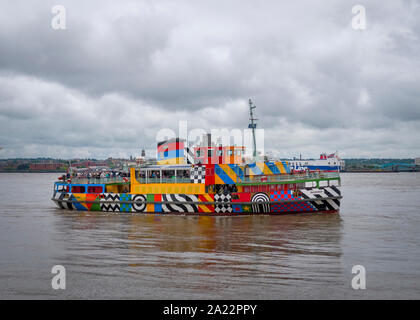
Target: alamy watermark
<point x="359" y="280"/>
<point x="58" y="21"/>
<point x="219" y="137"/>
<point x="359" y="19"/>
<point x="58" y="282"/>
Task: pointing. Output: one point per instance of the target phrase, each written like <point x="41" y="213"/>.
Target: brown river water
<point x="137" y="256"/>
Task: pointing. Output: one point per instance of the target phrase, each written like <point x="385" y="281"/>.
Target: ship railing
<point x="96" y="180"/>
<point x="164" y="180"/>
<point x="290" y="177"/>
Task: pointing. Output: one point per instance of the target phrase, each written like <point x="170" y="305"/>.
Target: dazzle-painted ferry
<point x="210" y="179"/>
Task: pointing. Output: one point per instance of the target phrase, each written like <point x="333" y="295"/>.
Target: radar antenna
<point x="252" y="126"/>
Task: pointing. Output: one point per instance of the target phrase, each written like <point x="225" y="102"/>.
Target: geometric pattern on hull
<point x="260" y="207"/>
<point x="141" y="205"/>
<point x="198" y="174"/>
<point x="179" y="207"/>
<point x="111" y="201"/>
<point x="220" y="205"/>
<point x="110" y="206"/>
<point x="125" y="207"/>
<point x="320" y="194"/>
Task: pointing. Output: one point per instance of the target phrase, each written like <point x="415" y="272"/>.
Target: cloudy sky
<point x="122" y="70"/>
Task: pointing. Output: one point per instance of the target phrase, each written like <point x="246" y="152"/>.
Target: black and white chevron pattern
<point x="176" y="207"/>
<point x="59" y="197"/>
<point x="189" y="155"/>
<point x="140" y="206"/>
<point x="68" y="196"/>
<point x="322" y="194"/>
<point x="110" y="206"/>
<point x="198" y="174"/>
<point x="62" y="198"/>
<point x="220" y="203"/>
<point x="261" y="207"/>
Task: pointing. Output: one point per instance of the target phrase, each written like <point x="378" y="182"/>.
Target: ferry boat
<point x="330" y="163"/>
<point x="208" y="180"/>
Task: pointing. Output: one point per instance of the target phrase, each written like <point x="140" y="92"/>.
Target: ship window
<point x="229" y="152"/>
<point x="209" y="153"/>
<point x="78" y="189"/>
<point x="95" y="189"/>
<point x="198" y="153"/>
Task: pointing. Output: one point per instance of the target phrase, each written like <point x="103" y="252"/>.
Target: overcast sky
<point x="122" y="70"/>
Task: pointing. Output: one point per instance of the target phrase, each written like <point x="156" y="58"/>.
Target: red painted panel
<point x="209" y="174"/>
<point x="242" y="197"/>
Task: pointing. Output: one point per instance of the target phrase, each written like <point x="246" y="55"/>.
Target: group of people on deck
<point x="166" y="174"/>
<point x="94" y="175"/>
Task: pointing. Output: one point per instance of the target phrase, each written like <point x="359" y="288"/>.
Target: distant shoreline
<point x="31" y="171"/>
<point x="64" y="172"/>
<point x="374" y="171"/>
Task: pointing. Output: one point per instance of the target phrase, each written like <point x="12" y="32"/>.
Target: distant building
<point x="417" y="161"/>
<point x="89" y="163"/>
<point x="45" y="166"/>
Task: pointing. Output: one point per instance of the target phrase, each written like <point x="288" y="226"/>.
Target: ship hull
<point x="309" y="200"/>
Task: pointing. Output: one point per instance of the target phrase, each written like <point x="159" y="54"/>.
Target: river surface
<point x="137" y="256"/>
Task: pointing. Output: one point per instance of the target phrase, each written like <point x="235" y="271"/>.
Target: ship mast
<point x="252" y="126"/>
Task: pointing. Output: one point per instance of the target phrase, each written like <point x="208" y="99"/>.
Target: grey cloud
<point x="119" y="72"/>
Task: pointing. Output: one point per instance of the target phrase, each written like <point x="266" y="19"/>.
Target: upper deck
<point x="182" y="174"/>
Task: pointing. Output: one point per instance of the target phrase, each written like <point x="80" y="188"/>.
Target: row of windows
<point x="259" y="188"/>
<point x="219" y="153"/>
<point x="80" y="189"/>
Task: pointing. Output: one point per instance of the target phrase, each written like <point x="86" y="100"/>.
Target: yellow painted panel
<point x="157" y="188"/>
<point x="112" y="188"/>
<point x="150" y="207"/>
<point x="179" y="160"/>
<point x="280" y="167"/>
<point x="133" y="176"/>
